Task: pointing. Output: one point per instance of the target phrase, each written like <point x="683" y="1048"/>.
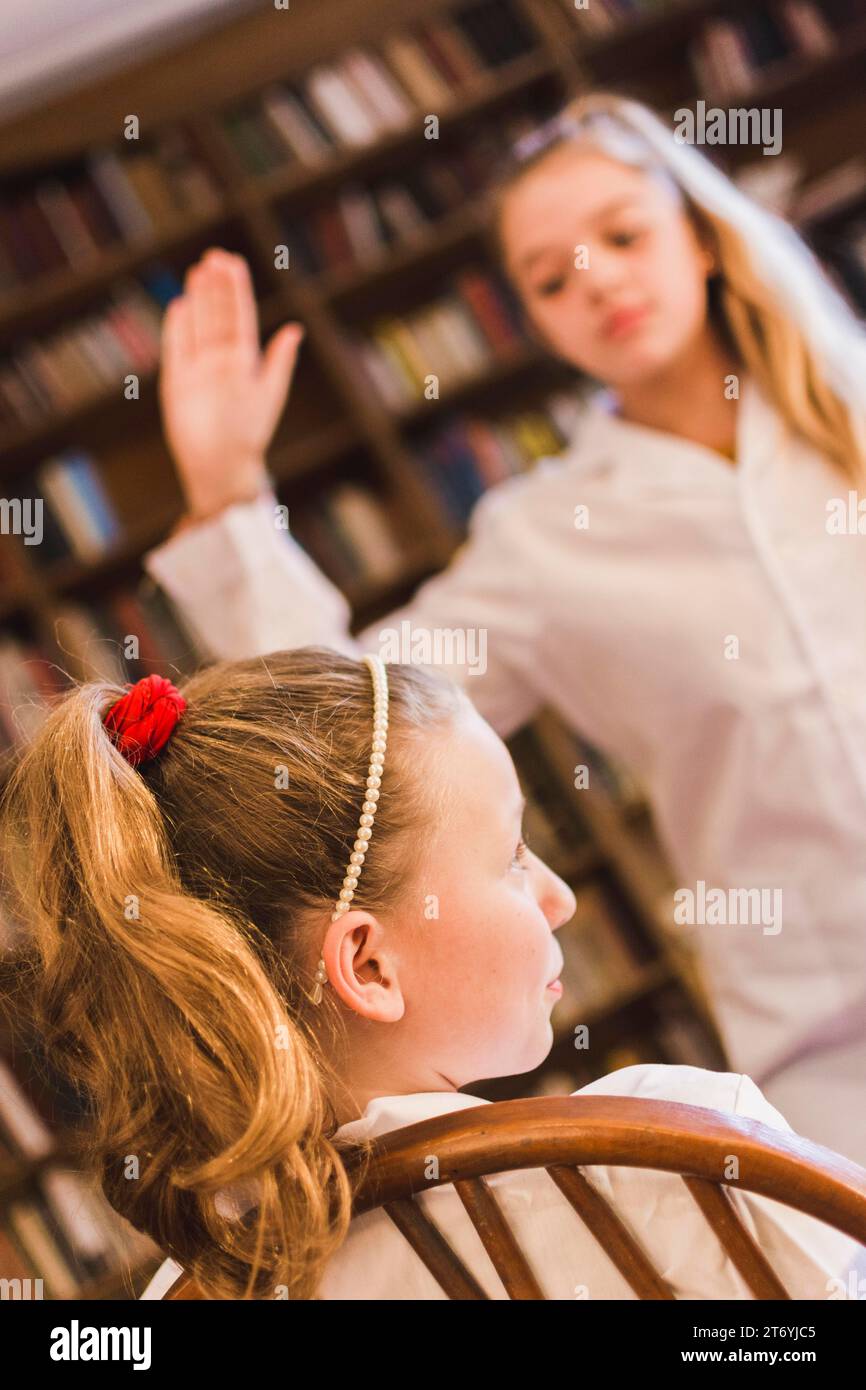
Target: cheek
<point x="677" y="277"/>
<point x="514" y="949"/>
<point x="565" y="327"/>
<point x="491" y="960"/>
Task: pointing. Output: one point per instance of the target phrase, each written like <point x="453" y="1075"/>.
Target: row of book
<point x="59" y="1229"/>
<point x="93" y="354"/>
<point x="454" y="338"/>
<point x="365" y="220"/>
<point x="50" y="376"/>
<point x="468" y="452"/>
<point x="351" y="537"/>
<point x="369" y="92"/>
<point x="113" y="197"/>
<point x="69" y="512"/>
<point x="732" y="55"/>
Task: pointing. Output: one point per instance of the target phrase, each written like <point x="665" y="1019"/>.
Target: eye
<point x="550" y="287"/>
<point x="521" y="855"/>
<point x="624" y="238"/>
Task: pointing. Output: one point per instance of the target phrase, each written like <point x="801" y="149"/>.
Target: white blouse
<point x="706" y="627"/>
<point x="813" y="1261"/>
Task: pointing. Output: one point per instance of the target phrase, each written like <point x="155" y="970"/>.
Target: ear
<point x="709" y="254"/>
<point x="362" y="967"/>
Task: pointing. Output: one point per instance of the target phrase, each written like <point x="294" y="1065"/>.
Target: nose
<point x="602" y="273"/>
<point x="556" y="899"/>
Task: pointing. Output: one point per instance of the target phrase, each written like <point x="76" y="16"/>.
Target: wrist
<point x="204" y="509"/>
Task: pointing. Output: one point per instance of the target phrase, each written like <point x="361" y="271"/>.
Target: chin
<point x="528" y="1059"/>
<point x="539" y="1053"/>
<point x="643" y="363"/>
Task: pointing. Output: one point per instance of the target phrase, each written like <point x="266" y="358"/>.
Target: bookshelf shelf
<point x="490" y="90"/>
<point x="460" y="229"/>
<point x="53" y="290"/>
<point x="303" y="458"/>
<point x="510" y="365"/>
<point x="40" y="439"/>
<point x="374" y="596"/>
<point x="800" y="81"/>
<point x="663" y="26"/>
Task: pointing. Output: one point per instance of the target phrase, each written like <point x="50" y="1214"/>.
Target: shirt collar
<point x="654" y="458"/>
<point x="385" y="1113"/>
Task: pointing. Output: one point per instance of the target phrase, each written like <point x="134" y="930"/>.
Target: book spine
<point x="124" y="202"/>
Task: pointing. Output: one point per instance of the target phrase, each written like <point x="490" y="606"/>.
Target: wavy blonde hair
<point x="771" y="298"/>
<point x="175" y="915"/>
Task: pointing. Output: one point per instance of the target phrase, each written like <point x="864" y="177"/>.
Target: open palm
<point x="220" y="395"/>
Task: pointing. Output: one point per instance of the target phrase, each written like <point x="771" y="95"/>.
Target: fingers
<point x="278" y="365"/>
<point x="178" y="336"/>
<point x="218" y="307"/>
<point x="220" y="302"/>
<point x="246" y="316"/>
<point x="212" y="301"/>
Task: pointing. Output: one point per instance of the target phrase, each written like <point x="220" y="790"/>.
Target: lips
<point x="622" y="321"/>
<point x="555" y="980"/>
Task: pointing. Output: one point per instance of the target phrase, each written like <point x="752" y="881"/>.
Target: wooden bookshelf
<point x="336" y="429"/>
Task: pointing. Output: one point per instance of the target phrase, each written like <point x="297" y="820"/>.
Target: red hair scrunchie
<point x="142" y="721"/>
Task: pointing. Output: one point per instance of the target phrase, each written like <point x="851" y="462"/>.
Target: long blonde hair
<point x="170" y="947"/>
<point x="788" y="324"/>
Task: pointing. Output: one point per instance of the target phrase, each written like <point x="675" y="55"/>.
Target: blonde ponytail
<point x="166" y="911"/>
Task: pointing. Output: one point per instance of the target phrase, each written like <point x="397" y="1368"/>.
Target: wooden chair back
<point x="565" y="1134"/>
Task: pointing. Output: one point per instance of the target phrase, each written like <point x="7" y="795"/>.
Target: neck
<point x="363" y="1066"/>
<point x="688" y="397"/>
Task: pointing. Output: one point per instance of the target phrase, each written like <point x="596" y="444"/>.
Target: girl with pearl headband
<point x="226" y="888"/>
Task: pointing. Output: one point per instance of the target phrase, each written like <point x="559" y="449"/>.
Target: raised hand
<point x="220" y="395"/>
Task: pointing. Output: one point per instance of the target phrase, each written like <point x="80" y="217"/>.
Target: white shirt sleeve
<point x="246" y="587"/>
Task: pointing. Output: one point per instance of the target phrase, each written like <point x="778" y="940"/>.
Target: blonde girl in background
<point x="706" y="623"/>
<point x="178" y="855"/>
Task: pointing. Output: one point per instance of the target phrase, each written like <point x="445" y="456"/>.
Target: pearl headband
<point x="368" y="809"/>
